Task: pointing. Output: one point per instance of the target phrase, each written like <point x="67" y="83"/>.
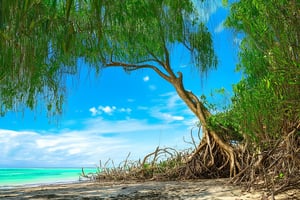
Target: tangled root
<point x="275" y="169"/>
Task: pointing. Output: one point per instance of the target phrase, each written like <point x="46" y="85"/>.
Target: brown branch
<point x="150" y="60"/>
<point x="132" y="67"/>
<point x="186" y="46"/>
<point x="156" y="59"/>
<point x="167" y="65"/>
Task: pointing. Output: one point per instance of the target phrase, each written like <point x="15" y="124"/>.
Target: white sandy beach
<point x="216" y="189"/>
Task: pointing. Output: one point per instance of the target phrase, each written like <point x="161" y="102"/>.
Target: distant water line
<point x="11" y="177"/>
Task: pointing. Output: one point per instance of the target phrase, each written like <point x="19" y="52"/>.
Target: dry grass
<point x="162" y="164"/>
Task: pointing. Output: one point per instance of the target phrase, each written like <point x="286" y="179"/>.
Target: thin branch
<point x="149" y="60"/>
<point x="187" y="46"/>
<point x="156" y="59"/>
<point x="167" y="57"/>
<point x="132" y="67"/>
<point x="166" y="65"/>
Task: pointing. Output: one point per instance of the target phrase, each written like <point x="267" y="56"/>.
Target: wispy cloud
<point x="164" y="122"/>
<point x="101" y="126"/>
<point x="125" y="110"/>
<point x="173" y="100"/>
<point x="171" y="109"/>
<point x="131" y="100"/>
<point x="143" y="108"/>
<point x="220" y="27"/>
<point x="152" y="87"/>
<point x="166" y="116"/>
<point x="99" y="140"/>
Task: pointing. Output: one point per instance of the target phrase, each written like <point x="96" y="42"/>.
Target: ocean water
<point x="12" y="177"/>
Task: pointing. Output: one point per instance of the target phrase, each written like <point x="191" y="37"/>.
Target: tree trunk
<point x="213" y="157"/>
<point x="213" y="153"/>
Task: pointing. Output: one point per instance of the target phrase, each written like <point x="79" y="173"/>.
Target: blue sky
<point x="115" y="113"/>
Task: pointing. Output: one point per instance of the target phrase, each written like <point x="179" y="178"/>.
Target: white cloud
<point x="178" y="118"/>
<point x="98" y="140"/>
<point x="109" y="110"/>
<point x="94" y="111"/>
<point x="74" y="151"/>
<point x="173" y="100"/>
<point x="171" y="109"/>
<point x="166" y="116"/>
<point x="163" y="123"/>
<point x="151" y="86"/>
<point x="183" y="66"/>
<point x="60" y="149"/>
<point x="146" y="78"/>
<point x="42" y="143"/>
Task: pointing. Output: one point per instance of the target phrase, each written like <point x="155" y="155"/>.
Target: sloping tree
<point x="41" y="43"/>
<point x="135" y="35"/>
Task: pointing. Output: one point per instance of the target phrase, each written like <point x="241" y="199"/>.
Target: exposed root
<point x="277" y="168"/>
<point x="274" y="169"/>
<point x="213" y="158"/>
<point x="208" y="160"/>
<point x="162" y="164"/>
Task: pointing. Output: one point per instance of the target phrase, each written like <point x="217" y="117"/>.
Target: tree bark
<point x="209" y="136"/>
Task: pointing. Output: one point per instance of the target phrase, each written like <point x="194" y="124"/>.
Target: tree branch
<point x="133" y="67"/>
<point x="186" y="46"/>
<point x="166" y="65"/>
<point x="155" y="58"/>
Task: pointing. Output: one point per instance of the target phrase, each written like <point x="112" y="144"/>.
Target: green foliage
<point x="266" y="103"/>
<point x="225" y="2"/>
<point x="281" y="175"/>
<point x="146" y="166"/>
<point x="35" y="37"/>
<point x="41" y="42"/>
<point x="136" y="32"/>
<point x="228" y="128"/>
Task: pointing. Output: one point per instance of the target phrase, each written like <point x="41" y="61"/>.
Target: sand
<point x="217" y="189"/>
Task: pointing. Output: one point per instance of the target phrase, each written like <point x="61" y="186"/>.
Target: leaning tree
<point x="42" y="40"/>
<point x="138" y="35"/>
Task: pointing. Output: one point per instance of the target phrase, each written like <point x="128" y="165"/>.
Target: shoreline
<point x="40" y="184"/>
<point x="31" y="177"/>
<point x="43" y="182"/>
<point x="203" y="189"/>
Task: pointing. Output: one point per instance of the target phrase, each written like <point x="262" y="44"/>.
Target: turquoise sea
<point x="12" y="177"/>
